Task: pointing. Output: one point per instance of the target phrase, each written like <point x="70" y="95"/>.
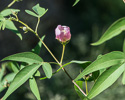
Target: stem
<point x="47" y="48"/>
<point x="62" y="54"/>
<point x="11" y="3"/>
<point x="60" y="64"/>
<point x="79" y="87"/>
<point x="86" y="87"/>
<point x="37" y="24"/>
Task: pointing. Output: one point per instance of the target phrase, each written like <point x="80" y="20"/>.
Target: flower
<point x="63" y="34"/>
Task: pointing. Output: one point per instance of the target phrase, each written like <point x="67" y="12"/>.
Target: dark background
<point x="88" y="20"/>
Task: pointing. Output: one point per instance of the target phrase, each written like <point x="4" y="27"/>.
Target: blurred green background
<point x="88" y="20"/>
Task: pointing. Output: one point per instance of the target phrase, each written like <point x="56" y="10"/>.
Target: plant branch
<point x="86" y="87"/>
<point x="79" y="87"/>
<point x="11" y="4"/>
<point x="62" y="54"/>
<point x="37" y="24"/>
<point x="60" y="64"/>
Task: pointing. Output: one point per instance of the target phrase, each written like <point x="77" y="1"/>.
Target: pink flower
<point x="63" y="33"/>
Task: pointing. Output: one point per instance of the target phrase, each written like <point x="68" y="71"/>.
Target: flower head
<point x="63" y="33"/>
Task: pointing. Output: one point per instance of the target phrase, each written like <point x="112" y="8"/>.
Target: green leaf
<point x="124" y="46"/>
<point x="27" y="57"/>
<point x="115" y="29"/>
<point x="76" y="2"/>
<point x="14" y="66"/>
<point x="123" y="78"/>
<point x="21" y="77"/>
<point x="31" y="13"/>
<point x="77" y="62"/>
<point x="8" y="78"/>
<point x="38" y="46"/>
<point x="80" y="84"/>
<point x="2" y="71"/>
<point x="39" y="10"/>
<point x="37" y="73"/>
<point x="110" y="59"/>
<point x="7" y="12"/>
<point x="2" y="24"/>
<point x="10" y="25"/>
<point x="106" y="80"/>
<point x="47" y="69"/>
<point x="1" y="17"/>
<point x="34" y="88"/>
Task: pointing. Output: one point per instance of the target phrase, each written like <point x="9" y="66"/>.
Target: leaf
<point x="8" y="78"/>
<point x="21" y="77"/>
<point x="37" y="73"/>
<point x="10" y="25"/>
<point x="27" y="57"/>
<point x="2" y="24"/>
<point x="80" y="84"/>
<point x="47" y="69"/>
<point x="124" y="47"/>
<point x="38" y="46"/>
<point x="115" y="29"/>
<point x="34" y="88"/>
<point x="77" y="62"/>
<point x="2" y="71"/>
<point x="39" y="10"/>
<point x="107" y="60"/>
<point x="7" y="12"/>
<point x="123" y="78"/>
<point x="1" y="17"/>
<point x="106" y="80"/>
<point x="14" y="66"/>
<point x="76" y="2"/>
<point x="31" y="13"/>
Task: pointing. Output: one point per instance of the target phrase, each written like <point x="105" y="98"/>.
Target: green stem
<point x="62" y="54"/>
<point x="86" y="87"/>
<point x="37" y="24"/>
<point x="47" y="48"/>
<point x="11" y="3"/>
<point x="60" y="64"/>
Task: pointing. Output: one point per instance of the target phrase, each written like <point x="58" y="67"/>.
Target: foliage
<point x="104" y="71"/>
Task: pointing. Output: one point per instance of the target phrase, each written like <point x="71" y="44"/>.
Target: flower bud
<point x="63" y="34"/>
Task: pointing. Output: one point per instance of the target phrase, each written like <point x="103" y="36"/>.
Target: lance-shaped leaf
<point x="110" y="59"/>
<point x="1" y="17"/>
<point x="2" y="69"/>
<point x="7" y="12"/>
<point x="10" y="25"/>
<point x="80" y="84"/>
<point x="123" y="78"/>
<point x="39" y="10"/>
<point x="13" y="66"/>
<point x="21" y="77"/>
<point x="38" y="46"/>
<point x="27" y="57"/>
<point x="47" y="69"/>
<point x="124" y="46"/>
<point x="115" y="29"/>
<point x="31" y="13"/>
<point x="6" y="80"/>
<point x="106" y="80"/>
<point x="76" y="62"/>
<point x="34" y="88"/>
<point x="76" y="2"/>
